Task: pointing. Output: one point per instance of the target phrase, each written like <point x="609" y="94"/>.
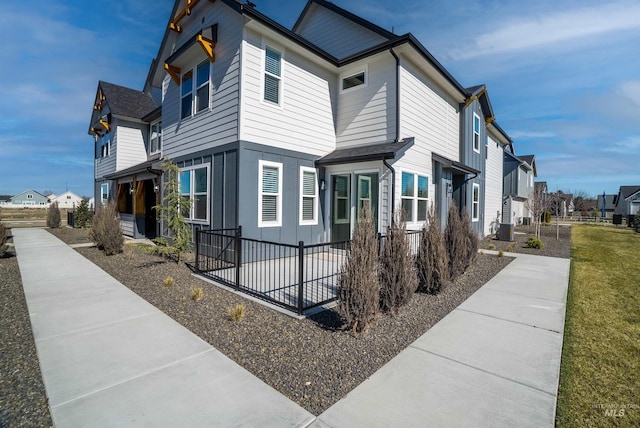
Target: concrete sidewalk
<point x="492" y="362"/>
<point x="109" y="358"/>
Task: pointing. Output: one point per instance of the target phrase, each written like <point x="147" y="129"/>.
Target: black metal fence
<point x="295" y="277"/>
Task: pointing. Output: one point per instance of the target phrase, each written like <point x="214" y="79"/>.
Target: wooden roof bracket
<point x="475" y="97"/>
<point x="174" y="72"/>
<point x="207" y="40"/>
<point x="184" y="12"/>
<point x="101" y="98"/>
<point x="489" y="120"/>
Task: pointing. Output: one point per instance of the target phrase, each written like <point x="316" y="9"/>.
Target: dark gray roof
<point x="626" y="191"/>
<point x="127" y="102"/>
<point x="147" y="166"/>
<point x="457" y="167"/>
<point x="528" y="159"/>
<point x="610" y="202"/>
<point x="389" y="150"/>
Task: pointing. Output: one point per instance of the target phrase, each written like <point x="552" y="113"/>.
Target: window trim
<point x="196" y="88"/>
<point x="279" y="167"/>
<point x="192" y="192"/>
<point x="157" y="123"/>
<point x="315" y="197"/>
<point x="343" y="77"/>
<point x="270" y="46"/>
<point x="415" y="198"/>
<point x="475" y="204"/>
<point x="476" y="142"/>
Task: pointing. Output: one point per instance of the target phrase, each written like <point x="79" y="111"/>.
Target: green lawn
<point x="600" y="371"/>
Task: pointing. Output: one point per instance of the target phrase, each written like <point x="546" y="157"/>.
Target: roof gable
<point x="112" y="99"/>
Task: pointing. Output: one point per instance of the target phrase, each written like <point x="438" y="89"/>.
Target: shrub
<point x="492" y="246"/>
<point x="636" y="222"/>
<point x="3" y="239"/>
<point x="236" y="313"/>
<point x="461" y="242"/>
<point x="500" y="253"/>
<point x="197" y="294"/>
<point x="358" y="285"/>
<point x="471" y="241"/>
<point x="534" y="243"/>
<point x="511" y="247"/>
<point x="546" y="217"/>
<point x="169" y="282"/>
<point x="106" y="232"/>
<point x="432" y="259"/>
<point x="53" y="216"/>
<point x="82" y="215"/>
<point x="398" y="276"/>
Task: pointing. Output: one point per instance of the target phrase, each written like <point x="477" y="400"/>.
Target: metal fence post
<point x="379" y="243"/>
<point x="300" y="277"/>
<point x="238" y="249"/>
<point x="198" y="250"/>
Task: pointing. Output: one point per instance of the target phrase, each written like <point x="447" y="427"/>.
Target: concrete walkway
<point x="109" y="358"/>
<point x="492" y="362"/>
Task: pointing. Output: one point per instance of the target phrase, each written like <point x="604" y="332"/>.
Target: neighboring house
<point x="67" y="200"/>
<point x="519" y="175"/>
<point x="30" y="198"/>
<point x="289" y="133"/>
<point x="628" y="201"/>
<point x="609" y="202"/>
<point x="561" y="204"/>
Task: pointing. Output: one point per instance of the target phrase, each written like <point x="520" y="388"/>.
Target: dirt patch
<point x="556" y="241"/>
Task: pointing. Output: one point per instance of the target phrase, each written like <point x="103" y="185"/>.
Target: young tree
<point x="82" y="214"/>
<point x="53" y="216"/>
<point x="537" y="204"/>
<point x="432" y="259"/>
<point x="171" y="212"/>
<point x="398" y="277"/>
<point x="359" y="285"/>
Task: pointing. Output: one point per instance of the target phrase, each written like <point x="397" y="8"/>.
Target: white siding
<point x="366" y="114"/>
<point x="304" y="119"/>
<point x="335" y="34"/>
<point x="417" y="162"/>
<point x="428" y="115"/>
<point x="493" y="186"/>
<point x="219" y="124"/>
<point x="130" y="150"/>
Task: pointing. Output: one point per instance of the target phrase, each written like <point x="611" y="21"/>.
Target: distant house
<point x="609" y="202"/>
<point x="628" y="201"/>
<point x="518" y="187"/>
<point x="67" y="200"/>
<point x="30" y="198"/>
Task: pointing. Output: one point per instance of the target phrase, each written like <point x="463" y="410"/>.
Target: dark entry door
<point x="341" y="208"/>
<point x="150" y="222"/>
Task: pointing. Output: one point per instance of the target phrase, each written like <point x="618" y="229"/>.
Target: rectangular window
<point x="476" y="133"/>
<point x="194" y="185"/>
<point x="308" y="196"/>
<point x="341" y="194"/>
<point x="415" y="197"/>
<point x="186" y="94"/>
<point x="353" y="80"/>
<point x="475" y="207"/>
<point x="202" y="86"/>
<point x="155" y="138"/>
<point x="104" y="145"/>
<point x="272" y="75"/>
<point x="269" y="194"/>
<point x="104" y="193"/>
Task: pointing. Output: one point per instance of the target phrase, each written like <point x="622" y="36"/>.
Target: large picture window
<point x="272" y="75"/>
<point x="194" y="185"/>
<point x="475" y="206"/>
<point x="269" y="194"/>
<point x="308" y="196"/>
<point x="415" y="197"/>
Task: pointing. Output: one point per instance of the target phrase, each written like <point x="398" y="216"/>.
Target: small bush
<point x="3" y="240"/>
<point x="82" y="215"/>
<point x="398" y="276"/>
<point x="546" y="217"/>
<point x="636" y="222"/>
<point x="106" y="231"/>
<point x="169" y="282"/>
<point x="236" y="313"/>
<point x="197" y="294"/>
<point x="500" y="253"/>
<point x="359" y="286"/>
<point x="53" y="216"/>
<point x="511" y="247"/>
<point x="471" y="241"/>
<point x="534" y="243"/>
<point x="432" y="259"/>
<point x="492" y="246"/>
<point x="461" y="242"/>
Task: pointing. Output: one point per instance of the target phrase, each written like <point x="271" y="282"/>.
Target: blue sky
<point x="563" y="78"/>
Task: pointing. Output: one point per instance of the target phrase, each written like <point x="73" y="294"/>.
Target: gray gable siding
<point x="29" y="197"/>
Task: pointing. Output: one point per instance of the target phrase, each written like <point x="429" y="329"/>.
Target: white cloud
<point x="526" y="33"/>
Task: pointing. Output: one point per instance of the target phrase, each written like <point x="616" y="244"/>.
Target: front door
<point x="346" y="199"/>
<point x="150" y="222"/>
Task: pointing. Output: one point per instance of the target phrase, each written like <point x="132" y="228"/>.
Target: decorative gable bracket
<point x="207" y="39"/>
<point x="475" y="97"/>
<point x="174" y="24"/>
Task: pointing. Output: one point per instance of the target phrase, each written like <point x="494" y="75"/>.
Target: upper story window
<point x="476" y="133"/>
<point x="103" y="145"/>
<point x="186" y="94"/>
<point x="202" y="85"/>
<point x="475" y="206"/>
<point x="272" y="75"/>
<point x="269" y="194"/>
<point x="29" y="196"/>
<point x="194" y="185"/>
<point x="308" y="196"/>
<point x="415" y="194"/>
<point x="155" y="138"/>
<point x="354" y="80"/>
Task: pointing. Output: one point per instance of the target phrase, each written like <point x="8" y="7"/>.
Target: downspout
<point x="397" y="139"/>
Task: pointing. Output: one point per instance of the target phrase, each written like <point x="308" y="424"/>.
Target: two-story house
<point x="519" y="175"/>
<point x="290" y="132"/>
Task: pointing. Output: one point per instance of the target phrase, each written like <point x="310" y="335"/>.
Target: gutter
<point x="384" y="160"/>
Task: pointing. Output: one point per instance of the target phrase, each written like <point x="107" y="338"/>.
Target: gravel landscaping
<point x="551" y="247"/>
<point x="23" y="401"/>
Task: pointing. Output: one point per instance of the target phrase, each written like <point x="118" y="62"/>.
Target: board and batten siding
<point x="131" y="150"/>
<point x="366" y="113"/>
<point x="336" y="34"/>
<point x="493" y="187"/>
<point x="428" y="115"/>
<point x="218" y="124"/>
<point x="304" y="120"/>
